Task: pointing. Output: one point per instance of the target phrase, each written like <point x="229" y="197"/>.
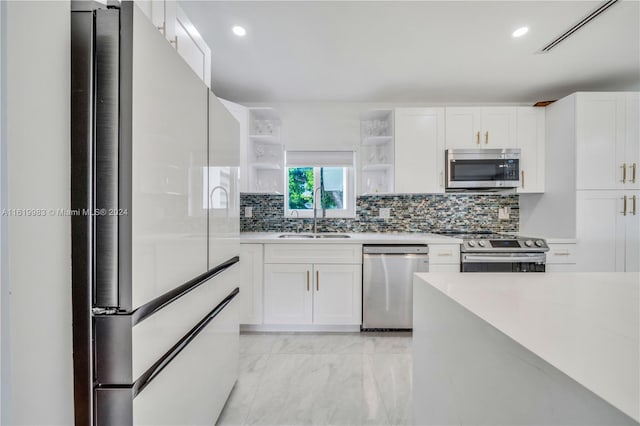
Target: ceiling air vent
<point x="584" y="21"/>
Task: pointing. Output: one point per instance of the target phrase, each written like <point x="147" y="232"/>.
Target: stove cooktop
<point x="487" y="241"/>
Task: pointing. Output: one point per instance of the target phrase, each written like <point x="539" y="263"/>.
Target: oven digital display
<point x="504" y="243"/>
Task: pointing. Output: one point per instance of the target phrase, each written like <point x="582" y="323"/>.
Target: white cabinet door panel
<point x="251" y="270"/>
<point x="600" y="133"/>
<point x="444" y="254"/>
<point x="632" y="233"/>
<point x="288" y="296"/>
<point x="169" y="130"/>
<point x="632" y="143"/>
<point x="419" y="150"/>
<point x="531" y="141"/>
<point x="337" y="297"/>
<point x="498" y="127"/>
<point x="462" y="127"/>
<point x="600" y="231"/>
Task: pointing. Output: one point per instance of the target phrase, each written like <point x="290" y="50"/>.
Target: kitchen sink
<point x="293" y="236"/>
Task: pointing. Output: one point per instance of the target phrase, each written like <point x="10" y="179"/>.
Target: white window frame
<point x="349" y="195"/>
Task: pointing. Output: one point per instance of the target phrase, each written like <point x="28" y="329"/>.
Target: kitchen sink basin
<point x="294" y="236"/>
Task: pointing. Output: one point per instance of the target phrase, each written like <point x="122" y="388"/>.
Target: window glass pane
<point x="332" y="181"/>
<point x="301" y="188"/>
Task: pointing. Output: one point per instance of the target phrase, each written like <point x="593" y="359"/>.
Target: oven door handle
<point x="504" y="258"/>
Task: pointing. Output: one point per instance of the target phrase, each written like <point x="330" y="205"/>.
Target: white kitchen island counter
<point x="546" y="348"/>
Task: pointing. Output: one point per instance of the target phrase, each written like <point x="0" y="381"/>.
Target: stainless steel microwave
<point x="482" y="168"/>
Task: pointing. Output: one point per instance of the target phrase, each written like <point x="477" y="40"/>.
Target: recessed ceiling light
<point x="520" y="32"/>
<point x="239" y="31"/>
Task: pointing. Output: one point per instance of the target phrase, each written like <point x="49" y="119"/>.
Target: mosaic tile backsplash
<point x="409" y="213"/>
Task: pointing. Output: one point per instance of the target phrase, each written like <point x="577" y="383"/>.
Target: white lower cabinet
<point x="251" y="272"/>
<point x="561" y="257"/>
<point x="312" y="294"/>
<point x="444" y="257"/>
<point x="312" y="284"/>
<point x="608" y="231"/>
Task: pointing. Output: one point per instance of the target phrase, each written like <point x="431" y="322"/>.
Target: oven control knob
<point x="528" y="243"/>
<point x="471" y="243"/>
<point x="540" y="243"/>
<point x="481" y="243"/>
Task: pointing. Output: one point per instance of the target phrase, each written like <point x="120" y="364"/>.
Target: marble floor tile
<point x="391" y="343"/>
<point x="346" y="393"/>
<point x="285" y="395"/>
<point x="322" y="379"/>
<point x="394" y="377"/>
<point x="237" y="407"/>
<point x="257" y="343"/>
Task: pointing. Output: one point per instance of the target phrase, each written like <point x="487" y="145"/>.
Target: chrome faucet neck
<point x="315" y="210"/>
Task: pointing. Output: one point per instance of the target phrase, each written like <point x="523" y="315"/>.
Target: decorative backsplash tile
<point x="409" y="213"/>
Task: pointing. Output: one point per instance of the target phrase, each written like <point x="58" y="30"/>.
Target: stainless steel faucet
<point x="315" y="197"/>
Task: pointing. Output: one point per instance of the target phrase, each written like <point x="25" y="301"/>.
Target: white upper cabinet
<point x="480" y="127"/>
<point x="176" y="27"/>
<point x="419" y="150"/>
<point x="531" y="141"/>
<point x="377" y="152"/>
<point x="608" y="140"/>
<point x="191" y="46"/>
<point x="463" y="127"/>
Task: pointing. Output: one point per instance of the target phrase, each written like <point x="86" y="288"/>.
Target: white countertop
<point x="356" y="238"/>
<point x="585" y="324"/>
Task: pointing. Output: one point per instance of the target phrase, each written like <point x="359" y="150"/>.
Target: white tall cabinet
<point x="608" y="144"/>
<point x="592" y="193"/>
<point x="419" y="150"/>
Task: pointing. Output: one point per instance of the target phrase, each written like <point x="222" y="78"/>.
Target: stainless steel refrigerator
<point x="155" y="228"/>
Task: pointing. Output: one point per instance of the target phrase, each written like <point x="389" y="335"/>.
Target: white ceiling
<point x="415" y="51"/>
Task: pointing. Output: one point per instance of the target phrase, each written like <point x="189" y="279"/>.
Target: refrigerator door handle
<point x="106" y="150"/>
<point x="145" y="311"/>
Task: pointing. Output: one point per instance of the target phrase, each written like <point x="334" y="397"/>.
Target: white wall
<point x="39" y="248"/>
<point x="4" y="299"/>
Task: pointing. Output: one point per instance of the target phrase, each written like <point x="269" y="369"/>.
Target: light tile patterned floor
<point x="322" y="379"/>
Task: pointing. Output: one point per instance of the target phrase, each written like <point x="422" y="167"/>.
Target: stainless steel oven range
<point x="491" y="252"/>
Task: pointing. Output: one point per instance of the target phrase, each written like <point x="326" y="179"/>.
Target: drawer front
<point x="444" y="254"/>
<point x="313" y="253"/>
<point x="561" y="253"/>
<point x="154" y="336"/>
<point x="195" y="385"/>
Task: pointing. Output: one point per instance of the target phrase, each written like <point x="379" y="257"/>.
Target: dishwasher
<point x="387" y="284"/>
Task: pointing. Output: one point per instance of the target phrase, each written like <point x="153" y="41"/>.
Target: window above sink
<point x="327" y="175"/>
